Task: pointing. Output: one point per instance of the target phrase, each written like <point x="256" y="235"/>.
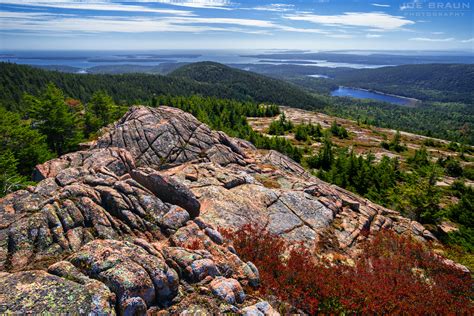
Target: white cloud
<point x="426" y="39"/>
<point x="381" y="5"/>
<point x="276" y="7"/>
<point x="470" y="40"/>
<point x="242" y="22"/>
<point x="437" y="33"/>
<point x="298" y="29"/>
<point x="203" y="4"/>
<point x="373" y="35"/>
<point x="378" y="20"/>
<point x="40" y="22"/>
<point x="173" y="21"/>
<point x="94" y="6"/>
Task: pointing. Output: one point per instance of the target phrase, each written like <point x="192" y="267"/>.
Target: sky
<point x="235" y="24"/>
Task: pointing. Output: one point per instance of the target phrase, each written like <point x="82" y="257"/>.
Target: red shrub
<point x="254" y="243"/>
<point x="194" y="244"/>
<point x="396" y="274"/>
<point x="393" y="275"/>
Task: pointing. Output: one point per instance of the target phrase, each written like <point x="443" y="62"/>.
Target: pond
<point x="373" y="95"/>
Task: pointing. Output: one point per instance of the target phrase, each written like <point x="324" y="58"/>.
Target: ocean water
<point x="88" y="59"/>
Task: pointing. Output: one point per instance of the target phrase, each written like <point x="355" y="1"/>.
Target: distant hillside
<point x="136" y="88"/>
<point x="429" y="82"/>
<point x="255" y="86"/>
<point x="60" y="68"/>
<point x="161" y="69"/>
<point x="434" y="82"/>
<point x="131" y="88"/>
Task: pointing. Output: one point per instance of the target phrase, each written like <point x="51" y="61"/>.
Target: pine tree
<point x="102" y="106"/>
<point x="10" y="179"/>
<point x="326" y="156"/>
<point x="52" y="117"/>
<point x="28" y="146"/>
<point x="301" y="133"/>
<point x="396" y="143"/>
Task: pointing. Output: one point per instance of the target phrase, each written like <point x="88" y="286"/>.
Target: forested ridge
<point x="431" y="82"/>
<point x="427" y="82"/>
<point x="160" y="69"/>
<point x="15" y="80"/>
<point x="140" y="88"/>
<point x="258" y="87"/>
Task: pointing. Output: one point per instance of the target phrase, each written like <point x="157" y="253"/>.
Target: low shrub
<point x="394" y="275"/>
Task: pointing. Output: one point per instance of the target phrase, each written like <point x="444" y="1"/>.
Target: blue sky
<point x="235" y="24"/>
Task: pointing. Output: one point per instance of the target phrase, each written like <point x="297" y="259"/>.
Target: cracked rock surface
<point x="169" y="136"/>
<point x="130" y="226"/>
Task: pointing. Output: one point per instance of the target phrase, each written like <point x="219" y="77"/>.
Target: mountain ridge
<point x="136" y="88"/>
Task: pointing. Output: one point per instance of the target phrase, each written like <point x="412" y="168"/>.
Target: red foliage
<point x="73" y="102"/>
<point x="394" y="275"/>
<point x="193" y="244"/>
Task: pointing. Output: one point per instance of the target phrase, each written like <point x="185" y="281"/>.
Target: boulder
<point x="260" y="309"/>
<point x="39" y="292"/>
<point x="168" y="190"/>
<point x="139" y="279"/>
<point x="176" y="217"/>
<point x="228" y="290"/>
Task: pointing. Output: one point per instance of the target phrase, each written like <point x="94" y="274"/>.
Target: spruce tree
<point x="52" y="117"/>
<point x="10" y="179"/>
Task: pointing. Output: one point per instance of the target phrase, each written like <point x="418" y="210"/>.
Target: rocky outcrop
<point x="130" y="225"/>
<point x="116" y="160"/>
<point x="240" y="184"/>
<point x="108" y="237"/>
<point x="167" y="136"/>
